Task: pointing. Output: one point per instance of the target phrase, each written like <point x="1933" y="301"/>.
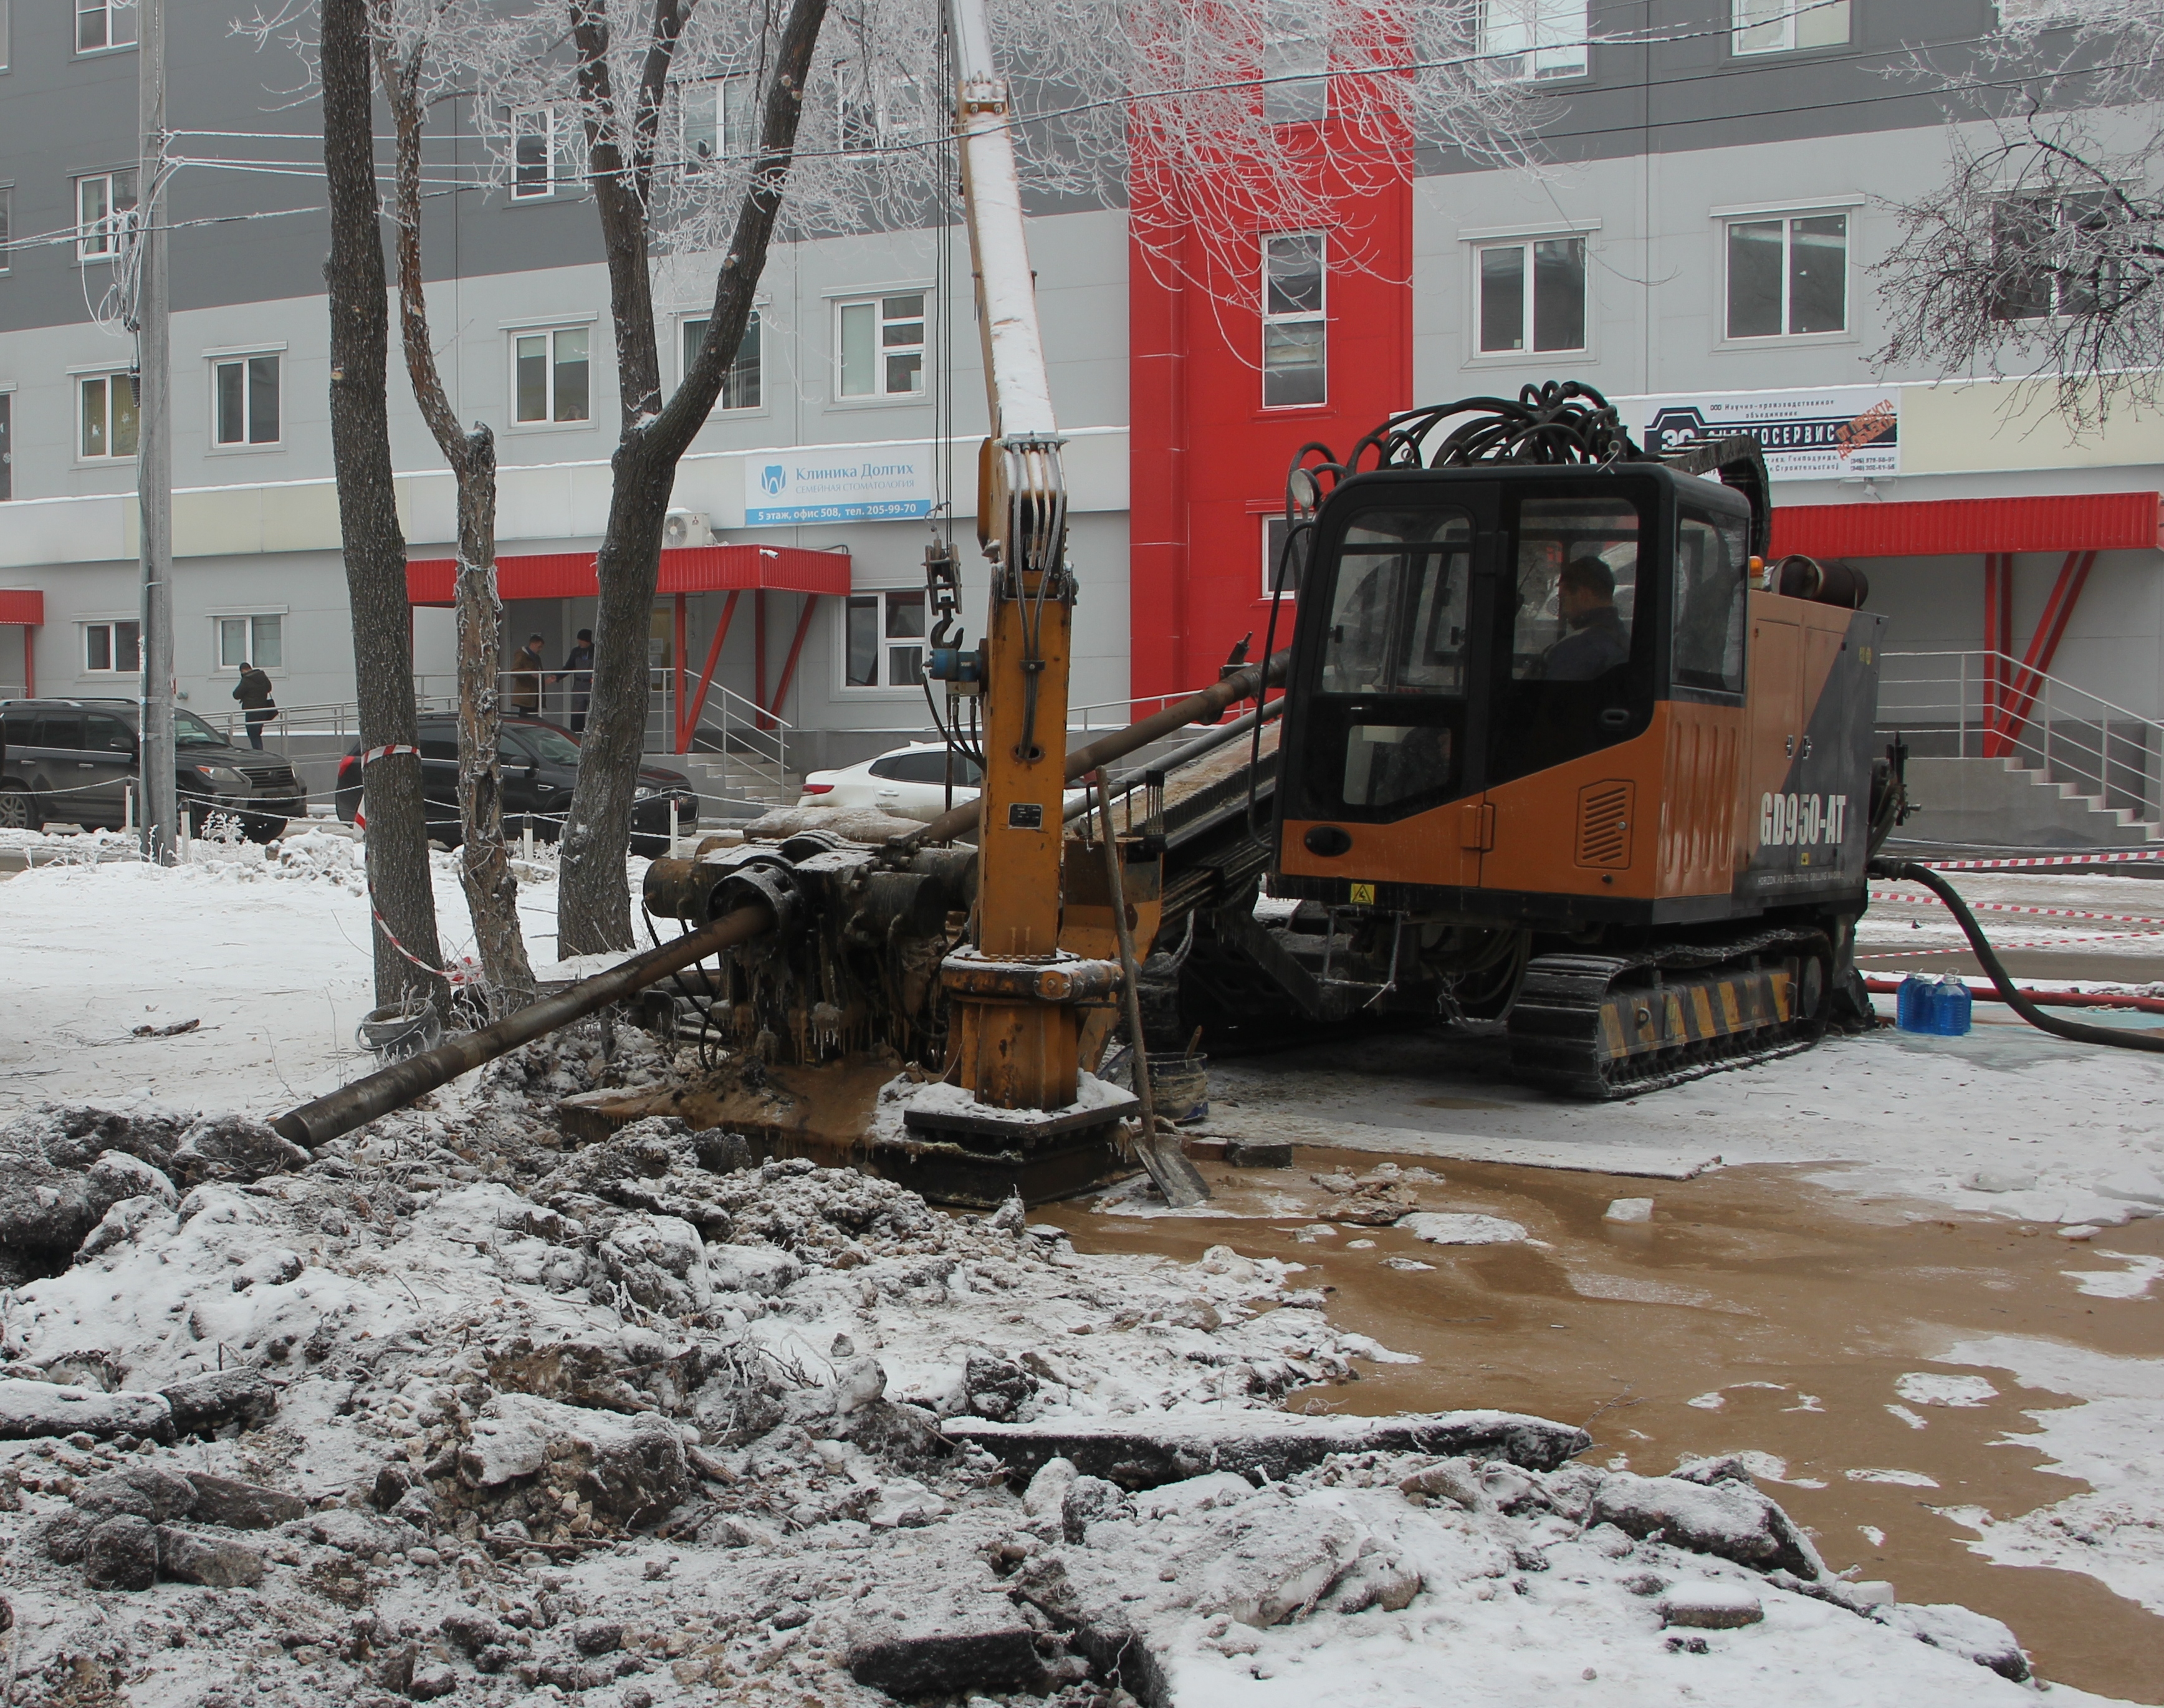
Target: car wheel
<point x="265" y="830"/>
<point x="18" y="809"/>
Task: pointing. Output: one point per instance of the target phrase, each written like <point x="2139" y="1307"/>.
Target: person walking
<point x="256" y="706"/>
<point x="579" y="671"/>
<point x="527" y="666"/>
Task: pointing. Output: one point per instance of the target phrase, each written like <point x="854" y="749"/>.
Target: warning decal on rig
<point x="1025" y="815"/>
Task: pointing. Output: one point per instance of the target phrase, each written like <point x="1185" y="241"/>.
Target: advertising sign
<point x="872" y="483"/>
<point x="1821" y="435"/>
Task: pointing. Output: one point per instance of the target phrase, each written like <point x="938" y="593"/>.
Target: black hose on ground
<point x="1988" y="958"/>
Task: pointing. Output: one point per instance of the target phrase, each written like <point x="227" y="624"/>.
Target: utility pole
<point x="154" y="448"/>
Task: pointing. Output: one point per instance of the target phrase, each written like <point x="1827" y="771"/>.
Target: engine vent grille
<point x="1603" y="824"/>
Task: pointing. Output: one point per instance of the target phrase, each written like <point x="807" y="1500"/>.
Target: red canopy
<point x="1970" y="526"/>
<point x="25" y="605"/>
<point x="691" y="569"/>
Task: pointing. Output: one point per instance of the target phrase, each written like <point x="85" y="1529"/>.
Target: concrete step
<point x="1998" y="803"/>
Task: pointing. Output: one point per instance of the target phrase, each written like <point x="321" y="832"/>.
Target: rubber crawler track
<point x="1554" y="1027"/>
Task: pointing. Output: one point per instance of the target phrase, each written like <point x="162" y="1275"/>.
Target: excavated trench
<point x="1756" y="1312"/>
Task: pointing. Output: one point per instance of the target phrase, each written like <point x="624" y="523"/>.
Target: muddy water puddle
<point x="1756" y="1312"/>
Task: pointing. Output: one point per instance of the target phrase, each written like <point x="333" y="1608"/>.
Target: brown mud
<point x="1798" y="1307"/>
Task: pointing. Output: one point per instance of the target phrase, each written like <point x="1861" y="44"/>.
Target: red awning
<point x="24" y="605"/>
<point x="1970" y="526"/>
<point x="691" y="569"/>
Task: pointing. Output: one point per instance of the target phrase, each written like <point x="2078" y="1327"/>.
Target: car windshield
<point x="552" y="744"/>
<point x="191" y="731"/>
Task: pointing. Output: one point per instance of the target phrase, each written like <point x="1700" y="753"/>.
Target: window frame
<point x="1791" y="8"/>
<point x="107" y="376"/>
<point x="1273" y="524"/>
<point x="754" y="328"/>
<point x="550" y="329"/>
<point x="6" y="444"/>
<point x="1318" y="316"/>
<point x="7" y="185"/>
<point x="1529" y="311"/>
<point x="112" y="627"/>
<point x="884" y="642"/>
<point x="1296" y="83"/>
<point x="1531" y="17"/>
<point x="108" y="9"/>
<point x="881" y="350"/>
<point x="111" y="227"/>
<point x="862" y="89"/>
<point x="1788" y="216"/>
<point x="693" y="90"/>
<point x="220" y="664"/>
<point x="2055" y="281"/>
<point x="245" y="359"/>
<point x="561" y="131"/>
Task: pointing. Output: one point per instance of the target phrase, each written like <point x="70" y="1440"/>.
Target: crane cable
<point x="1988" y="958"/>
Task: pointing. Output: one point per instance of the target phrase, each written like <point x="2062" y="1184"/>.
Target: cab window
<point x="1712" y="568"/>
<point x="1577" y="589"/>
<point x="1398" y="615"/>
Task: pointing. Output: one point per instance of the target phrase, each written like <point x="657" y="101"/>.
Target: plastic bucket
<point x="1180" y="1088"/>
<point x="393" y="1034"/>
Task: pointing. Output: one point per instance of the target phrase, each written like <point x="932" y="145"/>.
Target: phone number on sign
<point x="837" y="513"/>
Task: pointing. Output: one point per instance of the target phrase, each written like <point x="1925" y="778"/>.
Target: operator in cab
<point x="1594" y="641"/>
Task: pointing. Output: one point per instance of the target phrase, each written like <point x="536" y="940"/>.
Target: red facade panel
<point x="24" y="605"/>
<point x="1972" y="527"/>
<point x="691" y="569"/>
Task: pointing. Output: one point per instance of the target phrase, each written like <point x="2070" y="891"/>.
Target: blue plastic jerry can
<point x="1912" y="1004"/>
<point x="1950" y="1004"/>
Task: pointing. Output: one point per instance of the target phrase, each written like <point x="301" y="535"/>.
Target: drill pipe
<point x="387" y="1089"/>
<point x="1195" y="708"/>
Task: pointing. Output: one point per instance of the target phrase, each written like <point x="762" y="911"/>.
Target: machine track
<point x="1606" y="1027"/>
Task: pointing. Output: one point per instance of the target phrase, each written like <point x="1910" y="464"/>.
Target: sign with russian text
<point x="877" y="483"/>
<point x="1821" y="435"/>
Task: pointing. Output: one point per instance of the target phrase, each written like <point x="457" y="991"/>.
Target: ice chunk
<point x="1461" y="1227"/>
<point x="1629" y="1210"/>
<point x="1711" y="1606"/>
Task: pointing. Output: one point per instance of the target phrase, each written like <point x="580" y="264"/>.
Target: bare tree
<point x="406" y="953"/>
<point x="2040" y="255"/>
<point x="403" y="43"/>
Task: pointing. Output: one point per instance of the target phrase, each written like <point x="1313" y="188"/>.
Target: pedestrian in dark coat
<point x="256" y="706"/>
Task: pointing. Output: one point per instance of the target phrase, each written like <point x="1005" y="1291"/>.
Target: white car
<point x="908" y="783"/>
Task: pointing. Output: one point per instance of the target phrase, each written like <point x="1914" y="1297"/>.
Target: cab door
<point x="1774" y="726"/>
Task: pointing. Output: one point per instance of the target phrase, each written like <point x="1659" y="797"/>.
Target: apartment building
<point x="1699" y="244"/>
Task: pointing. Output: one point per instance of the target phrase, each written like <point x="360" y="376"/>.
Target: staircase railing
<point x="1979" y="704"/>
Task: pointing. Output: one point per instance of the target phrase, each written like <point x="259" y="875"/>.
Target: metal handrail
<point x="1991" y="705"/>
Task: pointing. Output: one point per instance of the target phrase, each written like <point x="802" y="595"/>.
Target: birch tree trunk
<point x="484" y="860"/>
<point x="374" y="547"/>
<point x="594" y="902"/>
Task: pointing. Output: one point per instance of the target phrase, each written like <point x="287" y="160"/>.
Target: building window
<point x="719" y="116"/>
<point x="740" y="382"/>
<point x="1296" y="58"/>
<point x="103" y="24"/>
<point x="102" y="203"/>
<point x="551" y="373"/>
<point x="244" y="401"/>
<point x="1535" y="39"/>
<point x="110" y="648"/>
<point x="2040" y="271"/>
<point x="1294" y="342"/>
<point x="1787" y="277"/>
<point x="105" y="412"/>
<point x="6" y="446"/>
<point x="874" y="111"/>
<point x="1532" y="295"/>
<point x="1273" y="539"/>
<point x="7" y="34"/>
<point x="883" y="641"/>
<point x="260" y="641"/>
<point x="1781" y="26"/>
<point x="544" y="151"/>
<point x="882" y="346"/>
<point x="7" y="191"/>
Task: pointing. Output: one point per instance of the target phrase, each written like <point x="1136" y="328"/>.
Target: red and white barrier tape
<point x="2021" y="907"/>
<point x="1889" y="954"/>
<point x="388" y="748"/>
<point x="2035" y="860"/>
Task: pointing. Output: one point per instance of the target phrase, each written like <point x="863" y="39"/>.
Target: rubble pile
<point x="457" y="1409"/>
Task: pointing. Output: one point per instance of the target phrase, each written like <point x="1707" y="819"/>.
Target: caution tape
<point x="2023" y="907"/>
<point x="1889" y="955"/>
<point x="2033" y="861"/>
<point x="387" y="750"/>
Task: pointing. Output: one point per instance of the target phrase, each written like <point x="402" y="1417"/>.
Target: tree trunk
<point x="484" y="861"/>
<point x="397" y="847"/>
<point x="593" y="908"/>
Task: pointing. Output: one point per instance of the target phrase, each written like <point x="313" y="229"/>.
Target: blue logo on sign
<point x="772" y="478"/>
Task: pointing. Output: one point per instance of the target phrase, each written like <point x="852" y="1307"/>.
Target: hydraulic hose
<point x="1996" y="972"/>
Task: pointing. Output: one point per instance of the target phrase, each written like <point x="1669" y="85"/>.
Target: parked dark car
<point x="74" y="762"/>
<point x="540" y="768"/>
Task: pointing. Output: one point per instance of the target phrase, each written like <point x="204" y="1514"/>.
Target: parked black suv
<point x="74" y="762"/>
<point x="540" y="768"/>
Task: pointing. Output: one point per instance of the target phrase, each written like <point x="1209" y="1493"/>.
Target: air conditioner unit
<point x="687" y="527"/>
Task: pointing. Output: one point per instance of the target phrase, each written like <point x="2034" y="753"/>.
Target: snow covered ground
<point x="642" y="1426"/>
